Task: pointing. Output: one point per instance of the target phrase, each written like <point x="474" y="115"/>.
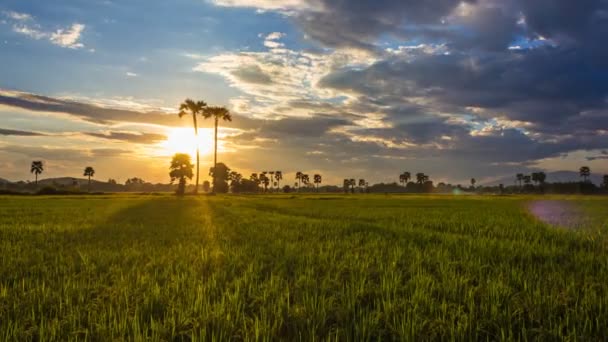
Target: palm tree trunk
<point x="36" y="178"/>
<point x="197" y="151"/>
<point x="215" y="156"/>
<point x="89" y="187"/>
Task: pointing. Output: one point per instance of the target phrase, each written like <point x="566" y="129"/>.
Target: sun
<point x="183" y="140"/>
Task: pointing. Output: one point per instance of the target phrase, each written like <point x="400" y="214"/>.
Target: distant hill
<point x="4" y="181"/>
<point x="552" y="177"/>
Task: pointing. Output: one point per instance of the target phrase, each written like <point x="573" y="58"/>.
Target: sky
<point x="346" y="88"/>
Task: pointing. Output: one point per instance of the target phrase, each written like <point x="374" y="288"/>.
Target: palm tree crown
<point x="89" y="172"/>
<point x="585" y="172"/>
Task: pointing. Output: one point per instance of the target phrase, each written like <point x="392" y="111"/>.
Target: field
<point x="353" y="267"/>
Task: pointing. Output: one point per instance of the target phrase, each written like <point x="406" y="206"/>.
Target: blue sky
<point x="350" y="89"/>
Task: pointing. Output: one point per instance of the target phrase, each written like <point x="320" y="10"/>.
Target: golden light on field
<point x="183" y="140"/>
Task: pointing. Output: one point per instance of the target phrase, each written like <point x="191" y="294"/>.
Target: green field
<point x="337" y="267"/>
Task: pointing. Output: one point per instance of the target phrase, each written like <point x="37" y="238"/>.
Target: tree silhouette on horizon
<point x="317" y="179"/>
<point x="181" y="170"/>
<point x="37" y="168"/>
<point x="585" y="172"/>
<point x="217" y="113"/>
<point x="404" y="178"/>
<point x="89" y="172"/>
<point x="190" y="107"/>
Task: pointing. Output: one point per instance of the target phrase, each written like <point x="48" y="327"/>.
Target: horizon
<point x="457" y="90"/>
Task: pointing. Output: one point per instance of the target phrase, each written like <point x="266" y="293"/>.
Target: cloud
<point x="65" y="37"/>
<point x="251" y="74"/>
<point x="143" y="138"/>
<point x="131" y="74"/>
<point x="4" y="131"/>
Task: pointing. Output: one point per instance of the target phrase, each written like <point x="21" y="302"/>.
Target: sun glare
<point x="183" y="140"/>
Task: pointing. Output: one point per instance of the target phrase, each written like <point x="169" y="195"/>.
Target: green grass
<point x="299" y="268"/>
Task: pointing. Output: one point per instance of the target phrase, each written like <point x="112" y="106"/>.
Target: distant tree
<point x="221" y="173"/>
<point x="299" y="175"/>
<point x="352" y="182"/>
<point x="217" y="113"/>
<point x="89" y="172"/>
<point x="286" y="189"/>
<point x="527" y="179"/>
<point x="112" y="181"/>
<point x="278" y="176"/>
<point x="346" y="185"/>
<point x="420" y="178"/>
<point x="235" y="180"/>
<point x="305" y="179"/>
<point x="206" y="186"/>
<point x="519" y="177"/>
<point x="585" y="172"/>
<point x="361" y="185"/>
<point x="317" y="180"/>
<point x="542" y="177"/>
<point x="194" y="108"/>
<point x="404" y="178"/>
<point x="473" y="181"/>
<point x="264" y="180"/>
<point x="181" y="170"/>
<point x="254" y="178"/>
<point x="37" y="168"/>
<point x="605" y="178"/>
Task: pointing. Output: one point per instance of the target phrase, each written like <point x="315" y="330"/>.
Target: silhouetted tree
<point x="317" y="179"/>
<point x="305" y="179"/>
<point x="221" y="173"/>
<point x="605" y="178"/>
<point x="217" y="113"/>
<point x="37" y="168"/>
<point x="520" y="178"/>
<point x="420" y="178"/>
<point x="235" y="180"/>
<point x="346" y="185"/>
<point x="181" y="170"/>
<point x="89" y="172"/>
<point x="254" y="178"/>
<point x="206" y="186"/>
<point x="352" y="182"/>
<point x="585" y="172"/>
<point x="473" y="181"/>
<point x="194" y="108"/>
<point x="299" y="175"/>
<point x="404" y="178"/>
<point x="361" y="184"/>
<point x="278" y="176"/>
<point x="112" y="181"/>
<point x="264" y="180"/>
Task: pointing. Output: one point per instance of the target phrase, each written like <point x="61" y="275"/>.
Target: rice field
<point x="352" y="267"/>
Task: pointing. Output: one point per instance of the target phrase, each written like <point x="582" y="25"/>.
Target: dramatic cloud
<point x="144" y="138"/>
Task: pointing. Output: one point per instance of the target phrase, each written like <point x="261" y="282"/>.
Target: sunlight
<point x="183" y="140"/>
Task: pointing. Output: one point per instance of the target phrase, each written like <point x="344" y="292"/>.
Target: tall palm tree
<point x="585" y="172"/>
<point x="305" y="179"/>
<point x="37" y="168"/>
<point x="217" y="113"/>
<point x="299" y="175"/>
<point x="352" y="182"/>
<point x="190" y="107"/>
<point x="420" y="178"/>
<point x="89" y="172"/>
<point x="317" y="179"/>
<point x="405" y="177"/>
<point x="278" y="176"/>
<point x="181" y="169"/>
<point x="473" y="181"/>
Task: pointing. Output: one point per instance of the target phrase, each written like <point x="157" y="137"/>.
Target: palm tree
<point x="605" y="181"/>
<point x="217" y="113"/>
<point x="181" y="169"/>
<point x="473" y="181"/>
<point x="265" y="180"/>
<point x="352" y="182"/>
<point x="278" y="176"/>
<point x="346" y="185"/>
<point x="317" y="179"/>
<point x="361" y="184"/>
<point x="520" y="178"/>
<point x="305" y="179"/>
<point x="89" y="172"/>
<point x="404" y="178"/>
<point x="585" y="172"/>
<point x="37" y="168"/>
<point x="190" y="107"/>
<point x="420" y="178"/>
<point x="299" y="175"/>
<point x="527" y="179"/>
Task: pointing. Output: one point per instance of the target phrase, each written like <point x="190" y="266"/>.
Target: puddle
<point x="558" y="213"/>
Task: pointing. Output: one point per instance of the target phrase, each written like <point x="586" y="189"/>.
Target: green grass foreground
<point x="363" y="267"/>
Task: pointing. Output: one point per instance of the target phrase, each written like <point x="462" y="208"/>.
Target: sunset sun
<point x="183" y="140"/>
